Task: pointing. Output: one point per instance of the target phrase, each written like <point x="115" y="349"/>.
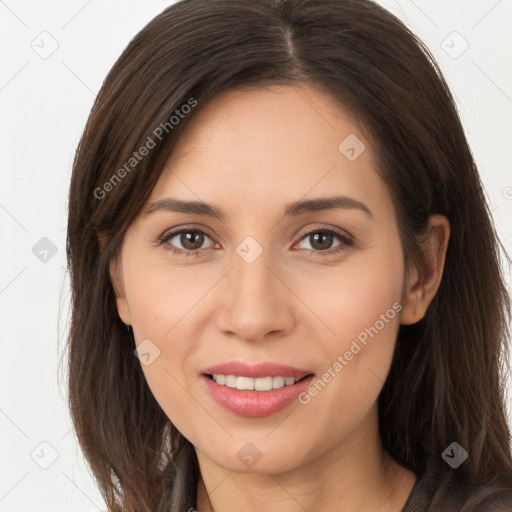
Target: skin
<point x="250" y="152"/>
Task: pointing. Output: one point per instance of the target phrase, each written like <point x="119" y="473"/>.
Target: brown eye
<point x="191" y="240"/>
<point x="186" y="241"/>
<point x="321" y="242"/>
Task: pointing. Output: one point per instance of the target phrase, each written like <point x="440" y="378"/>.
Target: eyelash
<point x="345" y="242"/>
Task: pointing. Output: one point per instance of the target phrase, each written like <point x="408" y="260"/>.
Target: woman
<point x="286" y="282"/>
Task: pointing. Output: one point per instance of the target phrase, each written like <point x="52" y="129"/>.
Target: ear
<point x="116" y="277"/>
<point x="422" y="284"/>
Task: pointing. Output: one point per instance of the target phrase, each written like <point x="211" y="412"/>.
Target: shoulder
<point x="443" y="491"/>
<point x="486" y="498"/>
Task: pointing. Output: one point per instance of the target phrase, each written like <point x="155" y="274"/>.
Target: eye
<point x="191" y="241"/>
<point x="320" y="241"/>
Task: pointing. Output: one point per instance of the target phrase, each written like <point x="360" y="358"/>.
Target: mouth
<point x="255" y="390"/>
<point x="243" y="383"/>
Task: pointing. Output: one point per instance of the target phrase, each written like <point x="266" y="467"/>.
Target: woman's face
<point x="315" y="288"/>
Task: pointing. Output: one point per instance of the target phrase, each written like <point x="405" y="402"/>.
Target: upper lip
<point x="258" y="370"/>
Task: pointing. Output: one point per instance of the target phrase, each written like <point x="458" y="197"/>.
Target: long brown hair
<point x="446" y="380"/>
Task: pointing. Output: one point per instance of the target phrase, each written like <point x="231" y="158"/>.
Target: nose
<point x="256" y="303"/>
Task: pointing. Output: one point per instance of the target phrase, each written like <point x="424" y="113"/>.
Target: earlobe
<point x="424" y="283"/>
<point x="411" y="301"/>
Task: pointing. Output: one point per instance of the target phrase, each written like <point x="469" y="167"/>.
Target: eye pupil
<point x="327" y="240"/>
<point x="189" y="240"/>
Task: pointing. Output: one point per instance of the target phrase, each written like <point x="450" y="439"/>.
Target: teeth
<point x="263" y="384"/>
<point x="277" y="382"/>
<point x="230" y="381"/>
<point x="245" y="383"/>
<point x="221" y="379"/>
<point x="248" y="383"/>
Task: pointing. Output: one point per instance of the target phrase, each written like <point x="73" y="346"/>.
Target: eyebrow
<point x="291" y="210"/>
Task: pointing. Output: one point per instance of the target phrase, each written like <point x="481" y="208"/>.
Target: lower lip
<point x="255" y="404"/>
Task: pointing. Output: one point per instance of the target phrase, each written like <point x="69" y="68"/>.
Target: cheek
<point x="359" y="296"/>
<point x="163" y="296"/>
<point x="170" y="305"/>
<point x="360" y="304"/>
<point x="163" y="306"/>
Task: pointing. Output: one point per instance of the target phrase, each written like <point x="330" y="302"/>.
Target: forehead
<point x="255" y="147"/>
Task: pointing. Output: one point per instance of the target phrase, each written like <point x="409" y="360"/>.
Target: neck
<point x="356" y="474"/>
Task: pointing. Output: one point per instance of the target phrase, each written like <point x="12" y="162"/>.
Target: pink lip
<point x="240" y="368"/>
<point x="255" y="403"/>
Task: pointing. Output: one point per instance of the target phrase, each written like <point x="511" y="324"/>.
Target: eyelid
<point x="188" y="227"/>
<point x="338" y="231"/>
<point x="346" y="240"/>
<point x="344" y="236"/>
<point x="172" y="232"/>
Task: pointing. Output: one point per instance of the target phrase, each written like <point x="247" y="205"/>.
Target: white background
<point x="44" y="105"/>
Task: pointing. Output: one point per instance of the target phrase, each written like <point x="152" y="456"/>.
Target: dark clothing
<point x="441" y="492"/>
